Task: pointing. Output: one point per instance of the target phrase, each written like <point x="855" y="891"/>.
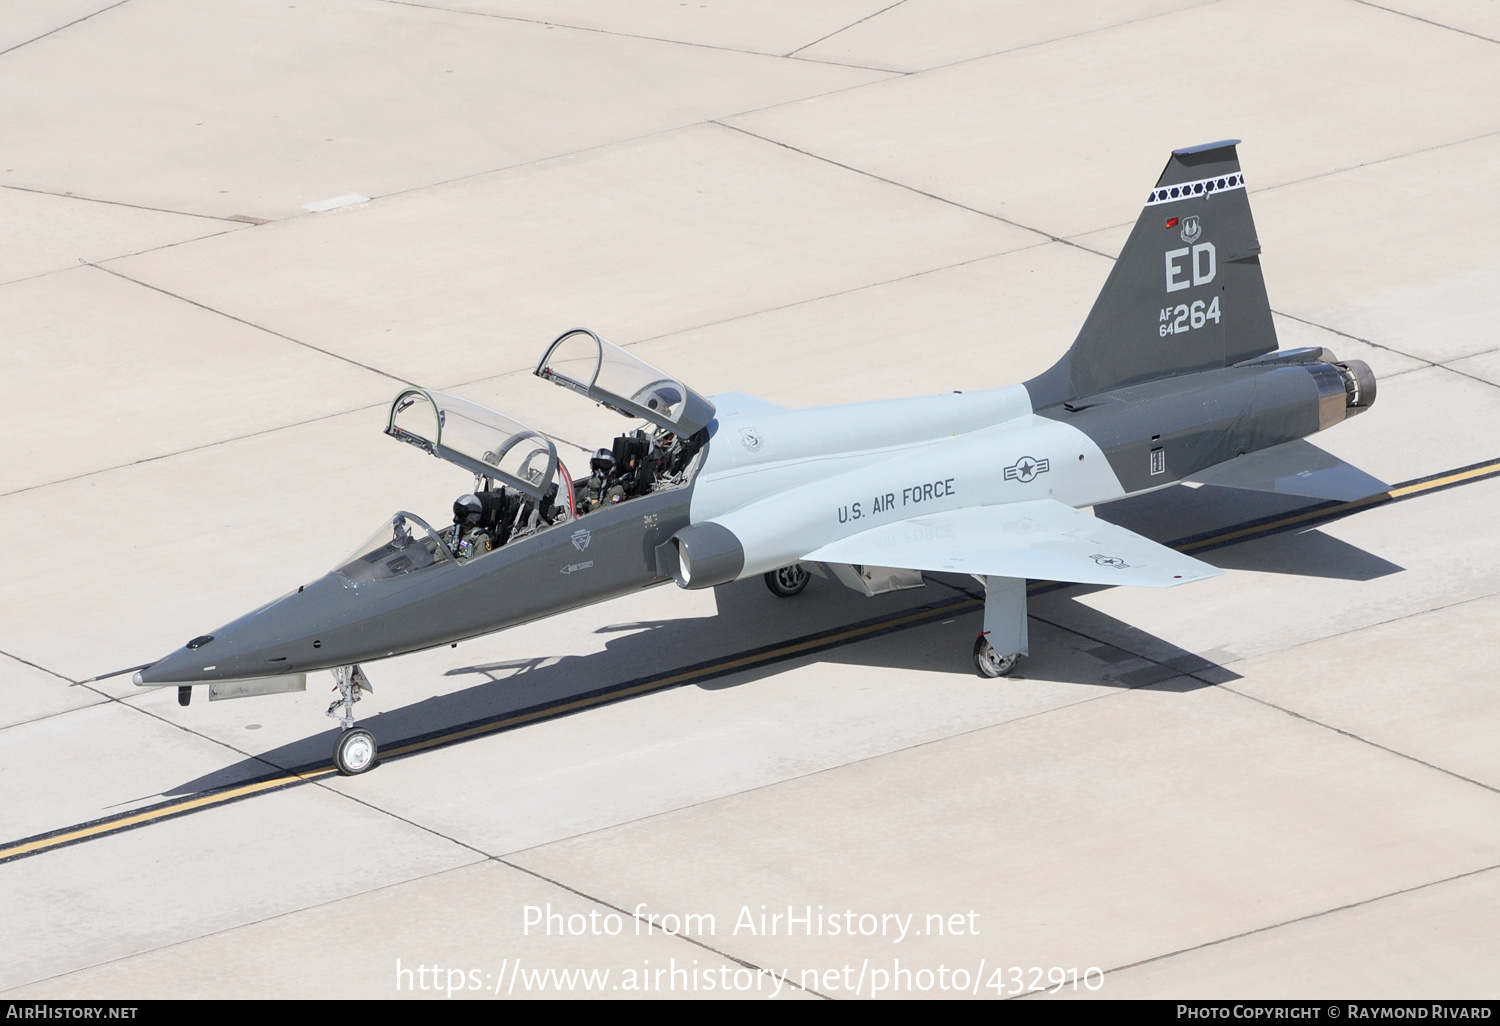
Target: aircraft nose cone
<point x="247" y="647"/>
<point x="280" y="637"/>
<point x="183" y="666"/>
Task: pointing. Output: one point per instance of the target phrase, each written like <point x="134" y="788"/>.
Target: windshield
<point x="403" y="545"/>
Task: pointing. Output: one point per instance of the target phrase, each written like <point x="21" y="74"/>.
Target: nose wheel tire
<point x="989" y="662"/>
<point x="788" y="581"/>
<point x="354" y="752"/>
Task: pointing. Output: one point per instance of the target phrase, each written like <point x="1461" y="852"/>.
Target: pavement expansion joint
<point x="1361" y="738"/>
<point x="252" y="434"/>
<point x="637" y="35"/>
<point x="1303" y="919"/>
<point x="251" y="324"/>
<point x="132" y="206"/>
<point x="828" y="295"/>
<point x="846" y="28"/>
<point x="1375" y="161"/>
<point x="762" y="656"/>
<point x="1425" y="363"/>
<point x="1072" y="241"/>
<point x="902" y="185"/>
<point x="49" y="32"/>
<point x="1428" y="21"/>
<point x="192" y="448"/>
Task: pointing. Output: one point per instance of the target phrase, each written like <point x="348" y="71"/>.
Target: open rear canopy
<point x="585" y="363"/>
<point x="478" y="439"/>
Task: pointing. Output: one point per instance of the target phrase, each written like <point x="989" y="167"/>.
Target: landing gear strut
<point x="788" y="581"/>
<point x="1003" y="639"/>
<point x="355" y="750"/>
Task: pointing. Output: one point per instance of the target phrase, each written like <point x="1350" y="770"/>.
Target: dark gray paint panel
<point x="1197" y="421"/>
<point x="329" y="623"/>
<point x="1122" y="340"/>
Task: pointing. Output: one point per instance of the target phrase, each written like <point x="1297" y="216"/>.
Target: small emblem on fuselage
<point x="1191" y="229"/>
<point x="581" y="538"/>
<point x="1026" y="469"/>
<point x="1113" y="562"/>
<point x="750" y="439"/>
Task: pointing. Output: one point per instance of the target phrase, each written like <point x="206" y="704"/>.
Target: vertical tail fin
<point x="1186" y="293"/>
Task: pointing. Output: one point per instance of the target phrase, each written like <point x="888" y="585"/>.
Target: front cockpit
<point x="402" y="545"/>
<point x="521" y="487"/>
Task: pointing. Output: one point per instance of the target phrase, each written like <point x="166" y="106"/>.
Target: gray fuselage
<point x="784" y="482"/>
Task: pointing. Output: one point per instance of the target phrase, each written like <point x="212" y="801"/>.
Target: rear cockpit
<point x="521" y="488"/>
<point x="644" y="460"/>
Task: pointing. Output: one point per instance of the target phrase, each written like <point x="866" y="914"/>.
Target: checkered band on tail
<point x="1189" y="190"/>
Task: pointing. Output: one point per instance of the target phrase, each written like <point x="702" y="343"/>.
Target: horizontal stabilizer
<point x="1041" y="540"/>
<point x="730" y="404"/>
<point x="1294" y="468"/>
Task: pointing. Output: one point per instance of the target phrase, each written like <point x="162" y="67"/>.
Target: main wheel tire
<point x="788" y="581"/>
<point x="354" y="751"/>
<point x="989" y="662"/>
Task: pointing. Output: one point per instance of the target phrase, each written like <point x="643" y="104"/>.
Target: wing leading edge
<point x="1042" y="539"/>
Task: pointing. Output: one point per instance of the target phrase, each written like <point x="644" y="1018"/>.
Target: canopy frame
<point x="689" y="411"/>
<point x="504" y="432"/>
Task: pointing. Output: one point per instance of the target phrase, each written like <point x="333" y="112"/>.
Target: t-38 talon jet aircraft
<point x="1175" y="374"/>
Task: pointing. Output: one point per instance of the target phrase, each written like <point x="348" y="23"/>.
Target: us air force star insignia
<point x="581" y="539"/>
<point x="1191" y="229"/>
<point x="1026" y="469"/>
<point x="749" y="439"/>
<point x="1113" y="562"/>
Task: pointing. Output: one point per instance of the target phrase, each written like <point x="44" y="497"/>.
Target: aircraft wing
<point x="1042" y="539"/>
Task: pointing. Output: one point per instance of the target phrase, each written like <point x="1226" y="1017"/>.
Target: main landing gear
<point x="355" y="750"/>
<point x="1003" y="640"/>
<point x="989" y="662"/>
<point x="788" y="581"/>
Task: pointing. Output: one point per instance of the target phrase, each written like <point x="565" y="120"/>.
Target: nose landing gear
<point x="355" y="750"/>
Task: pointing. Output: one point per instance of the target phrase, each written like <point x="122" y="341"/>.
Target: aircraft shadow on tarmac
<point x="1182" y="512"/>
<point x="750" y="618"/>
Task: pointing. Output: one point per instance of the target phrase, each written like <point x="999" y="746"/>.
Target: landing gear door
<point x="607" y="374"/>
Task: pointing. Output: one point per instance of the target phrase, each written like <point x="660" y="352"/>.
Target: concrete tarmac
<point x="236" y="230"/>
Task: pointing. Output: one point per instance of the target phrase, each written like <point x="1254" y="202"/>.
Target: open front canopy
<point x="585" y="363"/>
<point x="480" y="440"/>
